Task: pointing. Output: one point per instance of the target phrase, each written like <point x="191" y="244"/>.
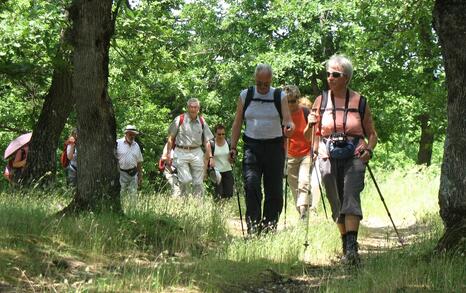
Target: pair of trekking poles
<point x="306" y="244"/>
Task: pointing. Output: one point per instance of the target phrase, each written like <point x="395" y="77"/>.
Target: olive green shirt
<point x="189" y="134"/>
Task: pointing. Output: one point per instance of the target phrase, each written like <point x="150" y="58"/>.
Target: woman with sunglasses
<point x="221" y="155"/>
<point x="346" y="143"/>
<point x="298" y="152"/>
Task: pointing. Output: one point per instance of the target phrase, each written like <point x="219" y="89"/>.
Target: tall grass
<point x="164" y="243"/>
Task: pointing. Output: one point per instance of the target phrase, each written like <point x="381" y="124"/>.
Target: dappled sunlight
<point x="196" y="245"/>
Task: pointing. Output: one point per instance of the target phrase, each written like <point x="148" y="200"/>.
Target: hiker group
<point x="329" y="141"/>
<point x="326" y="142"/>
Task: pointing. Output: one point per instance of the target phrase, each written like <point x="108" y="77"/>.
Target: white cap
<point x="131" y="128"/>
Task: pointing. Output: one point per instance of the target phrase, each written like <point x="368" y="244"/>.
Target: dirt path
<point x="378" y="237"/>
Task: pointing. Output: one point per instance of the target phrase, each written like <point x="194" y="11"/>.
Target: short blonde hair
<point x="305" y="101"/>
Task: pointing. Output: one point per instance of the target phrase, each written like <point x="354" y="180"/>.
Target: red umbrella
<point x="16" y="144"/>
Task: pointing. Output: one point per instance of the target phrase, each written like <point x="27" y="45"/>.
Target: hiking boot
<point x="351" y="256"/>
<point x="343" y="243"/>
<point x="254" y="229"/>
<point x="269" y="227"/>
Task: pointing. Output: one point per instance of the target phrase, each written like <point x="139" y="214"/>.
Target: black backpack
<point x="277" y="95"/>
<point x="212" y="145"/>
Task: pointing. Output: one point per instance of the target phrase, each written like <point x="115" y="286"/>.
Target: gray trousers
<point x="343" y="181"/>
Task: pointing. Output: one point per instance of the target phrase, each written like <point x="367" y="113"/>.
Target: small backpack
<point x="64" y="161"/>
<point x="277" y="95"/>
<point x="201" y="118"/>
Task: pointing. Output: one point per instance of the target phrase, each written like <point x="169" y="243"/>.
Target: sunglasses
<point x="220" y="134"/>
<point x="261" y="83"/>
<point x="292" y="101"/>
<point x="335" y="74"/>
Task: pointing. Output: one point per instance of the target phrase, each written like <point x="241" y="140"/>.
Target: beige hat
<point x="131" y="128"/>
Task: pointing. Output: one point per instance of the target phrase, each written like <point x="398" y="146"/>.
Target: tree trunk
<point x="98" y="187"/>
<point x="41" y="160"/>
<point x="424" y="155"/>
<point x="450" y="25"/>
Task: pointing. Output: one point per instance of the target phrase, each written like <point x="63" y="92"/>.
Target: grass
<point x="189" y="245"/>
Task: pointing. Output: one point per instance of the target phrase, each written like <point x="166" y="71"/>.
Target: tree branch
<point x="12" y="129"/>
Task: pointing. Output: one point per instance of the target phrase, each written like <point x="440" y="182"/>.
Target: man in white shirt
<point x="130" y="161"/>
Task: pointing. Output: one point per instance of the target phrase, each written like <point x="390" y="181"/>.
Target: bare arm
<point x="208" y="154"/>
<point x="372" y="137"/>
<point x="169" y="147"/>
<point x="287" y="121"/>
<point x="308" y="132"/>
<point x="236" y="128"/>
<point x="139" y="167"/>
<point x="17" y="162"/>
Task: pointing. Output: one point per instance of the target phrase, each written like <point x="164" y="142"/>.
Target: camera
<point x="339" y="138"/>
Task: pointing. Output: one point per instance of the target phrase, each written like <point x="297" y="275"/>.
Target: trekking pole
<point x="314" y="136"/>
<point x="286" y="197"/>
<point x="285" y="173"/>
<point x="239" y="208"/>
<point x="306" y="243"/>
<point x="321" y="193"/>
<point x="240" y="214"/>
<point x="384" y="204"/>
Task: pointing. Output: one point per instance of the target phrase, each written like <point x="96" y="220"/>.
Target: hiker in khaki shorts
<point x="187" y="133"/>
<point x="299" y="159"/>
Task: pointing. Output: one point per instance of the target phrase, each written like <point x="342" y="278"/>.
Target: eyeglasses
<point x="292" y="101"/>
<point x="220" y="134"/>
<point x="335" y="74"/>
<point x="262" y="84"/>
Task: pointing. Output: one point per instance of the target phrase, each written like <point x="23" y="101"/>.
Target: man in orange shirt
<point x="299" y="147"/>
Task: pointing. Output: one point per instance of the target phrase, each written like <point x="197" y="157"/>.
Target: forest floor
<point x="379" y="237"/>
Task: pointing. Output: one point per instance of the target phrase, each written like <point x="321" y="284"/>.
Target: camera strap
<point x="345" y="113"/>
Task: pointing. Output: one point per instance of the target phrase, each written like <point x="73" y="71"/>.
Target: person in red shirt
<point x="299" y="159"/>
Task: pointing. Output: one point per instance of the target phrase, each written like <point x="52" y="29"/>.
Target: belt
<point x="130" y="172"/>
<point x="327" y="138"/>
<point x="248" y="139"/>
<point x="187" y="147"/>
